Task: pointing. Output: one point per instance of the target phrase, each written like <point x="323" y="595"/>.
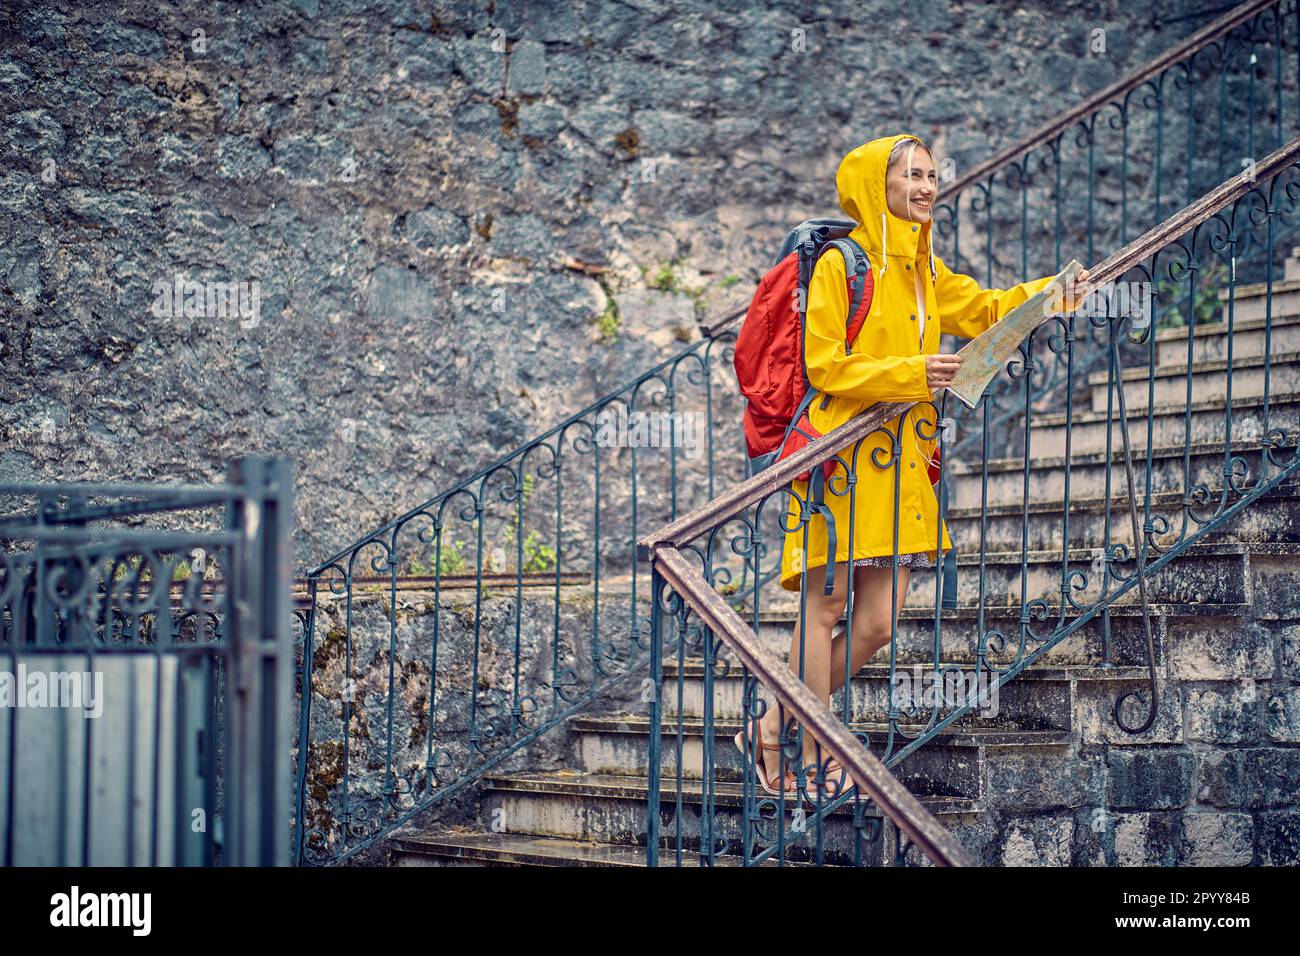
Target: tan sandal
<point x="835" y="775"/>
<point x="788" y="785"/>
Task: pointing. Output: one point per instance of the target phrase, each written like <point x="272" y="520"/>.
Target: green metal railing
<point x="160" y="615"/>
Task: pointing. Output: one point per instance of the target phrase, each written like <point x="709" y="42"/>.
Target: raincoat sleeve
<point x="966" y="309"/>
<point x="831" y="369"/>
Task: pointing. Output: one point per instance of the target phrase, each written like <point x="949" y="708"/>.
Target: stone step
<point x="1206" y="574"/>
<point x="1082" y="648"/>
<point x="1092" y="432"/>
<point x="1251" y="300"/>
<point x="1209" y="380"/>
<point x="1039" y="698"/>
<point x="948" y="765"/>
<point x="1087" y="474"/>
<point x="611" y="808"/>
<point x="418" y="848"/>
<point x="504" y="849"/>
<point x="1210" y="339"/>
<point x="1040" y="526"/>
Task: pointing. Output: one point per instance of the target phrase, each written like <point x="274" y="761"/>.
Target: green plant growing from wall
<point x="536" y="555"/>
<point x="451" y="560"/>
<point x="1206" y="304"/>
<point x="131" y="567"/>
<point x="666" y="278"/>
<point x="454" y="559"/>
<point x="608" y="320"/>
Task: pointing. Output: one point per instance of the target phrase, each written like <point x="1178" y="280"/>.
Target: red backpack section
<point x="769" y="355"/>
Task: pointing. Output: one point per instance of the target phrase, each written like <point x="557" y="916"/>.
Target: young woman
<point x="888" y="187"/>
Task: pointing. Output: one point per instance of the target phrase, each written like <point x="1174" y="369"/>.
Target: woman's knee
<point x="824" y="608"/>
<point x="872" y="622"/>
<point x="871" y="629"/>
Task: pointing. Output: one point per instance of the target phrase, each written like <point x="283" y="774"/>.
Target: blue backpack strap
<point x="817" y="497"/>
<point x="790" y="429"/>
<point x="857" y="266"/>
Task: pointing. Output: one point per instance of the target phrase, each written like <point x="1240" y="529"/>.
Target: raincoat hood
<point x="861" y="185"/>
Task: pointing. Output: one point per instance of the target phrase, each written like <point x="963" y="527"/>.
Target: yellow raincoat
<point x="887" y="365"/>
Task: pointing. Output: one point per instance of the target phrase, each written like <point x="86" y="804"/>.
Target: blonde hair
<point x="897" y="152"/>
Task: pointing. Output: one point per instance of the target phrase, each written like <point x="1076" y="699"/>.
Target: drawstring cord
<point x="884" y="244"/>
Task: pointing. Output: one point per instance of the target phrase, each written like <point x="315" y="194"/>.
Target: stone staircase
<point x="1049" y="779"/>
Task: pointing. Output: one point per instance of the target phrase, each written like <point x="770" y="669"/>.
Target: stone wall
<point x="465" y="221"/>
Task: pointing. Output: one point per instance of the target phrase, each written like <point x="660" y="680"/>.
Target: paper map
<point x="984" y="356"/>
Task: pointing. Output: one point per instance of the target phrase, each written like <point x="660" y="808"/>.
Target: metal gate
<point x="145" y="668"/>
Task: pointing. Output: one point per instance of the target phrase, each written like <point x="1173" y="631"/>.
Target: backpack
<point x="769" y="358"/>
<point x="769" y="363"/>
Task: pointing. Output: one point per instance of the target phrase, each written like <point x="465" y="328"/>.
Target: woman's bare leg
<point x="873" y="618"/>
<point x="820" y="614"/>
<point x="874" y="615"/>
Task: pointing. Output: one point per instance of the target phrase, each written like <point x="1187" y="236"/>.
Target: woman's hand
<point x="940" y="369"/>
<point x="1076" y="290"/>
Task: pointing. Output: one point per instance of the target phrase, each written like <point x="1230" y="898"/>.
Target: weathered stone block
<point x="1217" y="839"/>
<point x="1146" y="839"/>
<point x="1037" y="841"/>
<point x="1223" y="716"/>
<point x="1275" y="586"/>
<point x="1289" y="649"/>
<point x="1259" y="777"/>
<point x="1277" y="838"/>
<point x="1149" y="779"/>
<point x="1095" y="707"/>
<point x="1282" y="715"/>
<point x="1220" y="649"/>
<point x="1040" y="781"/>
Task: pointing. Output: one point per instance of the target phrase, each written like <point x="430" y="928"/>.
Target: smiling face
<point x="911" y="183"/>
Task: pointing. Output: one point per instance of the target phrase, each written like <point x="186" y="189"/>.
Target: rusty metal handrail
<point x="921" y="826"/>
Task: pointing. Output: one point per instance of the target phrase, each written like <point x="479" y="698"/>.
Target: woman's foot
<point x="828" y="782"/>
<point x="772" y="738"/>
<point x="767" y="762"/>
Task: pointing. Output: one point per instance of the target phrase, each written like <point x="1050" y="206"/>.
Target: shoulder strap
<point x="857" y="267"/>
